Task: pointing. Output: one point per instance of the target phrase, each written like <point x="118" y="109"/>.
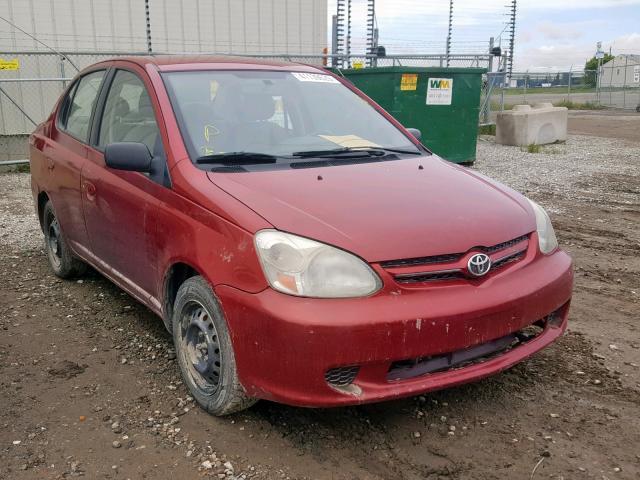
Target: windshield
<point x="275" y="113"/>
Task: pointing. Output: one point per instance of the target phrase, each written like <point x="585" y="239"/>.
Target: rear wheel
<point x="62" y="261"/>
<point x="204" y="350"/>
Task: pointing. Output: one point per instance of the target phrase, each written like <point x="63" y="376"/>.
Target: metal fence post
<point x="62" y="75"/>
<point x="598" y="83"/>
<point x="148" y="24"/>
<point x="624" y="84"/>
<point x="613" y="64"/>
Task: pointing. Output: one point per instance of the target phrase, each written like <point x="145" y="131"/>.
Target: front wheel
<point x="62" y="261"/>
<point x="204" y="350"/>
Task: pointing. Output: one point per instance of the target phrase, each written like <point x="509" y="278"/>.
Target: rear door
<point x="66" y="155"/>
<point x="119" y="205"/>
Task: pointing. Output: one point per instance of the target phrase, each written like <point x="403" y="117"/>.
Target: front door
<point x="119" y="205"/>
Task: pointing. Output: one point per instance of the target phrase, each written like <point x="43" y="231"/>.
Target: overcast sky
<point x="550" y="34"/>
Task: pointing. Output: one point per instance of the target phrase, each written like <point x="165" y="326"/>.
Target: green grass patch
<point x="533" y="148"/>
<point x="489" y="129"/>
<point x="535" y="90"/>
<point x="579" y="106"/>
<point x="495" y="106"/>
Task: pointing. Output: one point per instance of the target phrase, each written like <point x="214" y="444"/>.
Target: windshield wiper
<point x="371" y="151"/>
<point x="237" y="158"/>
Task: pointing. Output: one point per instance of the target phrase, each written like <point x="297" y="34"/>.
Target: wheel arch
<point x="42" y="200"/>
<point x="176" y="274"/>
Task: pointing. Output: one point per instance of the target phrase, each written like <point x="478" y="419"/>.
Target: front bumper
<point x="284" y="345"/>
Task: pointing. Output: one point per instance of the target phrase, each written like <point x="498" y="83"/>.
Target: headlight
<point x="304" y="267"/>
<point x="546" y="235"/>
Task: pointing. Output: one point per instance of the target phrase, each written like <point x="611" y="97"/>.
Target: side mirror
<point x="130" y="156"/>
<point x="415" y="132"/>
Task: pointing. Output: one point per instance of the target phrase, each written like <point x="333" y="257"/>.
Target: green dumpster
<point x="443" y="103"/>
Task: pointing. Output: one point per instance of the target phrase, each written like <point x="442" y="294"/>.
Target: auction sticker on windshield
<point x="439" y="91"/>
<point x="314" y="77"/>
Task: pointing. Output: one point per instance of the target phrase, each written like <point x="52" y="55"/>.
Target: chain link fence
<point x="612" y="87"/>
<point x="619" y="84"/>
<point x="28" y="94"/>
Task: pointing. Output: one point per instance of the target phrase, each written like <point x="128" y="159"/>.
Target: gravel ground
<point x="89" y="385"/>
<point x="567" y="171"/>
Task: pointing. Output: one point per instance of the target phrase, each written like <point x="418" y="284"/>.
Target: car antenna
<point x="41" y="43"/>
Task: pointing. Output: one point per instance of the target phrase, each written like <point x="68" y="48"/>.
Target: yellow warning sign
<point x="357" y="65"/>
<point x="409" y="81"/>
<point x="9" y="64"/>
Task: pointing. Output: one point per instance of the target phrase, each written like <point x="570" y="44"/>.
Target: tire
<point x="204" y="350"/>
<point x="62" y="261"/>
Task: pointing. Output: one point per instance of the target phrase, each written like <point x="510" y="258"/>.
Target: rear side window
<point x="128" y="115"/>
<point x="77" y="112"/>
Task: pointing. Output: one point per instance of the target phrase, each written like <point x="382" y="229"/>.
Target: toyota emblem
<point x="479" y="264"/>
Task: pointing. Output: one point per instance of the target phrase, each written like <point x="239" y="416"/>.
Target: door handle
<point x="90" y="190"/>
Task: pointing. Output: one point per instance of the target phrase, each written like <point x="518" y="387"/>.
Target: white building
<point x="622" y="71"/>
<point x="202" y="26"/>
<point x="110" y="27"/>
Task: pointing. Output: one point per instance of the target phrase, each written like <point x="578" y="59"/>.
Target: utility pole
<point x="448" y="47"/>
<point x="348" y="42"/>
<point x="339" y="40"/>
<point x="491" y="46"/>
<point x="148" y="19"/>
<point x="599" y="56"/>
<point x="512" y="37"/>
<point x="334" y="40"/>
<point x="372" y="31"/>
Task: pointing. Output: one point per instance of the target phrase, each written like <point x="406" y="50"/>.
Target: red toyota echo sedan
<point x="300" y="245"/>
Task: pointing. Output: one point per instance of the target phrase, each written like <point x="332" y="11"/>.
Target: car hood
<point x="386" y="210"/>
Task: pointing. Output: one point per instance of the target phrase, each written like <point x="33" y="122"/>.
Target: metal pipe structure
<point x="348" y="39"/>
<point x="339" y="32"/>
<point x="372" y="37"/>
<point x="512" y="37"/>
<point x="448" y="46"/>
<point x="148" y="19"/>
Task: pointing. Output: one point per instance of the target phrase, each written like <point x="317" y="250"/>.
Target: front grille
<point x="341" y="376"/>
<point x="451" y="266"/>
<point x="408" y="262"/>
<point x="514" y="257"/>
<point x="504" y="245"/>
<point x="430" y="277"/>
<point x="411" y="368"/>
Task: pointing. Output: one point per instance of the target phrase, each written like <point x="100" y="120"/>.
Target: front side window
<point x="78" y="108"/>
<point x="128" y="115"/>
<point x="274" y="113"/>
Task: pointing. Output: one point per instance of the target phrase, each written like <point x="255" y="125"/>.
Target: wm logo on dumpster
<point x="440" y="83"/>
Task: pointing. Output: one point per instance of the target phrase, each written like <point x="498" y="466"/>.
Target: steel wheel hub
<point x="200" y="347"/>
<point x="54" y="241"/>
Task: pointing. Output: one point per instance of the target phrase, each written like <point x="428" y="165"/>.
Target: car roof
<point x="213" y="62"/>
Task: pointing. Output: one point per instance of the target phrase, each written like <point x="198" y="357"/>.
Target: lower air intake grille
<point x="341" y="376"/>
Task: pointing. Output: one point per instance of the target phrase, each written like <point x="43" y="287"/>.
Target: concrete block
<point x="541" y="124"/>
